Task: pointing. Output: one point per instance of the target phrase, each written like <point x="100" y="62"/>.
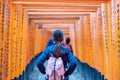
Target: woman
<point x="68" y="45"/>
<point x="65" y="53"/>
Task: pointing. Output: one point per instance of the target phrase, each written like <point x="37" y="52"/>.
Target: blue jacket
<point x="67" y="57"/>
<point x="50" y="42"/>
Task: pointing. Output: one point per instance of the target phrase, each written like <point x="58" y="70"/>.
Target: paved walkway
<point x="82" y="72"/>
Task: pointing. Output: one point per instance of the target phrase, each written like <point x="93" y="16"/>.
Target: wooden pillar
<point x="72" y="37"/>
<point x="79" y="38"/>
<point x="84" y="40"/>
<point x="116" y="39"/>
<point x="31" y="41"/>
<point x="87" y="49"/>
<point x="106" y="37"/>
<point x="90" y="48"/>
<point x="42" y="37"/>
<point x="93" y="37"/>
<point x="5" y="39"/>
<point x="1" y="38"/>
<point x="76" y="38"/>
<point x="37" y="40"/>
<point x="97" y="40"/>
<point x="24" y="35"/>
<point x="17" y="42"/>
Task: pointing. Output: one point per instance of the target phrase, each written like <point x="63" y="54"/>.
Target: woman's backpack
<point x="55" y="67"/>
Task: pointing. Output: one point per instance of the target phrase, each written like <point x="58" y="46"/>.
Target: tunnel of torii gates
<point x="92" y="25"/>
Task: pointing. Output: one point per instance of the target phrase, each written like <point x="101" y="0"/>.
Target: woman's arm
<point x="71" y="48"/>
<point x="72" y="64"/>
<point x="40" y="61"/>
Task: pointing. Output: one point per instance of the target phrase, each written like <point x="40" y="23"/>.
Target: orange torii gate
<point x="95" y="34"/>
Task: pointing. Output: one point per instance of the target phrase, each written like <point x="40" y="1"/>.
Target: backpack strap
<point x="54" y="69"/>
<point x="57" y="51"/>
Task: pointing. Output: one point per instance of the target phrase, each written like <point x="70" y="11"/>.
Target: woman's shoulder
<point x="51" y="48"/>
<point x="65" y="50"/>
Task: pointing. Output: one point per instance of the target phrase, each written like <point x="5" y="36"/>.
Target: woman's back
<point x="66" y="55"/>
<point x="58" y="51"/>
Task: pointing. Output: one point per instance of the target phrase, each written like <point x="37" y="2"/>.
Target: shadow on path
<point x="82" y="72"/>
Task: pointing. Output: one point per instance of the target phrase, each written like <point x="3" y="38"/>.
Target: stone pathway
<point x="82" y="72"/>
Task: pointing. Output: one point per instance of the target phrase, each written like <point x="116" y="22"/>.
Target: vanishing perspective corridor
<point x="92" y="25"/>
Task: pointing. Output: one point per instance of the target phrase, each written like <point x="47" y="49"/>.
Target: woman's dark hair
<point x="58" y="36"/>
<point x="67" y="40"/>
<point x="57" y="51"/>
